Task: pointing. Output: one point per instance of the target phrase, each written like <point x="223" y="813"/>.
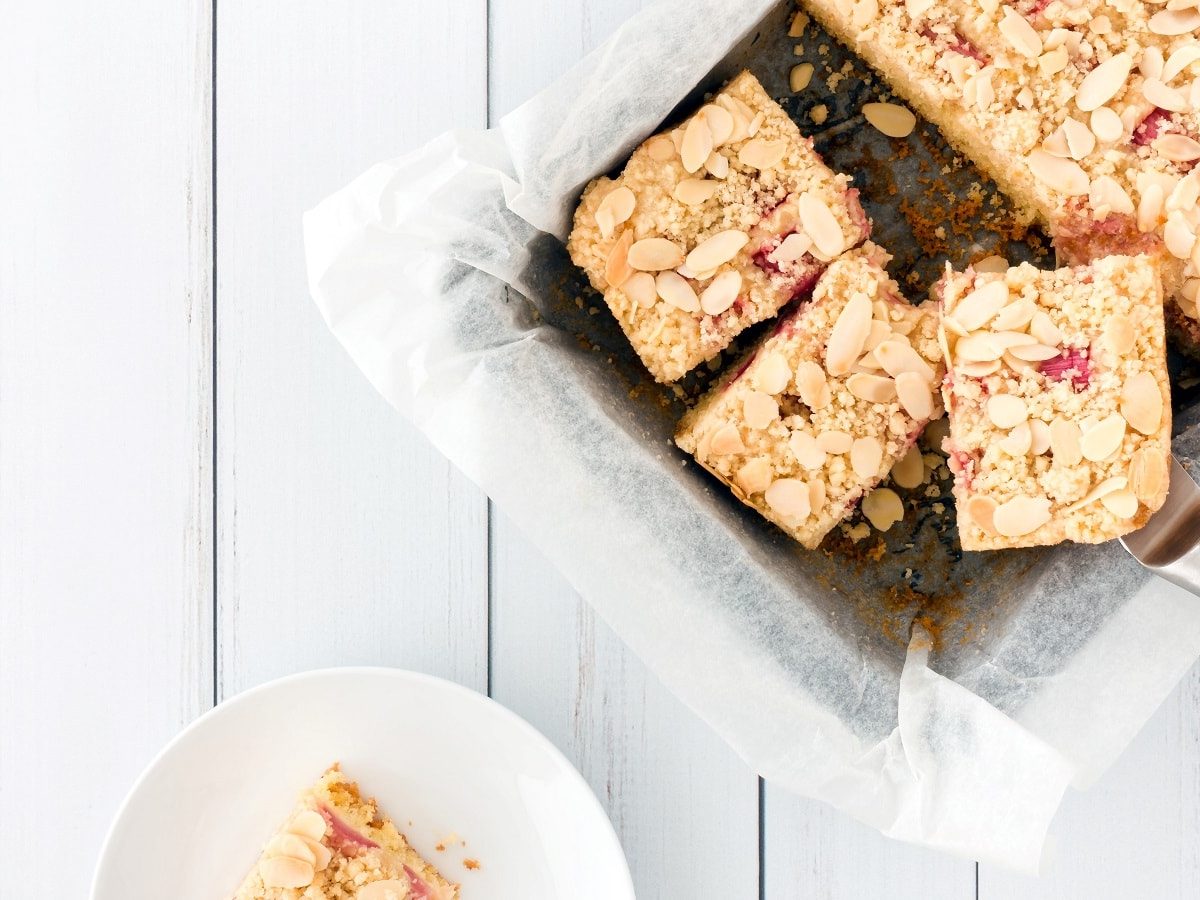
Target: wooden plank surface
<point x="343" y="537"/>
<point x="105" y="410"/>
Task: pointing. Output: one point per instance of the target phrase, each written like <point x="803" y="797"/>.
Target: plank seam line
<point x="216" y="681"/>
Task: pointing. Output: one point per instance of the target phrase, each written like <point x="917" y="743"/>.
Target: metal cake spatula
<point x="1169" y="544"/>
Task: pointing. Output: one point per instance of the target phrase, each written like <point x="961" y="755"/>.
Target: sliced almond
<point x="915" y="395"/>
<point x="1106" y="125"/>
<point x="800" y="76"/>
<point x="720" y="123"/>
<point x="1033" y="352"/>
<point x="806" y="450"/>
<point x="909" y="470"/>
<point x="982" y="511"/>
<point x="1054" y="61"/>
<point x="1142" y="403"/>
<point x="655" y="255"/>
<point x="883" y="508"/>
<point x="1180" y="60"/>
<point x="762" y="154"/>
<point x="661" y="148"/>
<point x="717" y="165"/>
<point x="790" y="499"/>
<point x="640" y="288"/>
<point x="385" y="890"/>
<point x="1122" y="504"/>
<point x="759" y="409"/>
<point x="772" y="373"/>
<point x="1020" y="34"/>
<point x="1104" y="82"/>
<point x="991" y="264"/>
<point x="1177" y="147"/>
<point x="980" y="346"/>
<point x="676" y="291"/>
<point x="727" y="440"/>
<point x="1147" y="474"/>
<point x="1056" y="144"/>
<point x="1098" y="492"/>
<point x="1151" y="63"/>
<point x="716" y="250"/>
<point x="977" y="308"/>
<point x="1150" y="207"/>
<point x="866" y="456"/>
<point x="1080" y="140"/>
<point x="321" y="853"/>
<point x="812" y="385"/>
<point x="816" y="496"/>
<point x="1006" y="411"/>
<point x="1021" y="516"/>
<point x="1014" y="316"/>
<point x="1170" y="22"/>
<point x="897" y="356"/>
<point x="821" y="224"/>
<point x="835" y="442"/>
<point x="1039" y="437"/>
<point x="848" y="335"/>
<point x="755" y="476"/>
<point x="286" y="872"/>
<point x="1105" y="193"/>
<point x="891" y="119"/>
<point x="697" y="144"/>
<point x="792" y="248"/>
<point x="308" y="823"/>
<point x="285" y="844"/>
<point x="1103" y="439"/>
<point x="618" y="205"/>
<point x="1158" y="94"/>
<point x="721" y="292"/>
<point x="871" y="388"/>
<point x="978" y="369"/>
<point x="1118" y="335"/>
<point x="1042" y="327"/>
<point x="617" y="269"/>
<point x="1065" y="440"/>
<point x="880" y="332"/>
<point x="1018" y="441"/>
<point x="755" y="124"/>
<point x="1062" y="175"/>
<point x="695" y="191"/>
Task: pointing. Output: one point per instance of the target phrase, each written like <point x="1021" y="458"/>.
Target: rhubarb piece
<point x="711" y="227"/>
<point x="826" y="405"/>
<point x="1058" y="401"/>
<point x="337" y="845"/>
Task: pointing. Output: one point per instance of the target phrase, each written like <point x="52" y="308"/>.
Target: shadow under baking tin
<point x="929" y="206"/>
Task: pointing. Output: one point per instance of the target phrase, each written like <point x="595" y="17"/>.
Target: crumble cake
<point x="711" y="227"/>
<point x="1058" y="401"/>
<point x="824" y="408"/>
<point x="1085" y="112"/>
<point x="337" y="845"/>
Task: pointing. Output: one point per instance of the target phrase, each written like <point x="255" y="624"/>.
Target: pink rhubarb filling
<point x="1074" y="365"/>
<point x="342" y="837"/>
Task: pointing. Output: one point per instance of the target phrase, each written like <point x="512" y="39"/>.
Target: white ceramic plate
<point x="436" y="755"/>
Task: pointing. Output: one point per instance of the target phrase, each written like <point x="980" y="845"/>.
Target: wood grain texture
<point x="343" y="537"/>
<point x="105" y="400"/>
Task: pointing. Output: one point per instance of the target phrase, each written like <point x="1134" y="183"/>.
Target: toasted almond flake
<point x="762" y="154"/>
<point x="789" y="498"/>
<point x="772" y="373"/>
<point x="1177" y="147"/>
<point x="793" y="247"/>
<point x="800" y="76"/>
<point x="695" y="191"/>
<point x="619" y="204"/>
<point x="1118" y="335"/>
<point x="661" y="148"/>
<point x="981" y="510"/>
<point x="1080" y="140"/>
<point x="640" y="288"/>
<point x="806" y="450"/>
<point x="816" y="495"/>
<point x="1142" y="403"/>
<point x="676" y="291"/>
<point x="821" y="225"/>
<point x="1106" y="125"/>
<point x="1162" y="96"/>
<point x="977" y="308"/>
<point x="1147" y="474"/>
<point x="1065" y="442"/>
<point x="1020" y="33"/>
<point x="848" y="335"/>
<point x="915" y="395"/>
<point x="605" y="222"/>
<point x="716" y="250"/>
<point x="720" y="293"/>
<point x="1014" y="316"/>
<point x="866" y="456"/>
<point x="1006" y="411"/>
<point x="1151" y="63"/>
<point x="1099" y="491"/>
<point x="755" y="476"/>
<point x="812" y="384"/>
<point x="890" y="118"/>
<point x="759" y="409"/>
<point x="286" y="872"/>
<point x="909" y="470"/>
<point x="654" y="255"/>
<point x="1032" y="353"/>
<point x="883" y="508"/>
<point x="871" y="388"/>
<point x="1053" y="61"/>
<point x="1150" y="208"/>
<point x="727" y="440"/>
<point x="1039" y="434"/>
<point x="720" y="123"/>
<point x="1021" y="516"/>
<point x="1178" y="236"/>
<point x="1180" y="60"/>
<point x="896" y="356"/>
<point x="1018" y="441"/>
<point x="1062" y="175"/>
<point x="1106" y="193"/>
<point x="1104" y="82"/>
<point x="835" y="442"/>
<point x="1171" y="22"/>
<point x="1044" y="330"/>
<point x="617" y="269"/>
<point x="1103" y="439"/>
<point x="697" y="143"/>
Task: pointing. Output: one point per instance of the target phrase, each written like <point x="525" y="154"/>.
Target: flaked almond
<point x="1014" y="316"/>
<point x="1150" y="206"/>
<point x="655" y="255"/>
<point x="991" y="263"/>
<point x="812" y="385"/>
<point x="979" y="346"/>
<point x="821" y="225"/>
<point x="1021" y="516"/>
<point x="1106" y="125"/>
<point x="720" y="123"/>
<point x="1180" y="60"/>
<point x="866" y="456"/>
<point x="1099" y="491"/>
<point x="677" y="291"/>
<point x="697" y="144"/>
<point x="982" y="511"/>
<point x="1039" y="437"/>
<point x="1080" y="140"/>
<point x="891" y="119"/>
<point x="385" y="890"/>
<point x="1186" y="193"/>
<point x="1020" y="34"/>
<point x="835" y="442"/>
<point x="880" y="332"/>
<point x="755" y="476"/>
<point x="1177" y="147"/>
<point x="791" y="248"/>
<point x="617" y="206"/>
<point x="909" y="470"/>
<point x="800" y="76"/>
<point x="896" y="356"/>
<point x="1170" y="22"/>
<point x="617" y="269"/>
<point x="915" y="395"/>
<point x="977" y="308"/>
<point x="308" y="823"/>
<point x="1103" y="82"/>
<point x="816" y="496"/>
<point x="883" y="508"/>
<point x="1178" y="236"/>
<point x="1056" y="144"/>
<point x="1103" y="439"/>
<point x="1158" y="94"/>
<point x="1018" y="441"/>
<point x="806" y="450"/>
<point x="1106" y="194"/>
<point x="1065" y="442"/>
<point x="1147" y="474"/>
<point x="789" y="499"/>
<point x="1053" y="61"/>
<point x="762" y="154"/>
<point x="798" y="24"/>
<point x="755" y="124"/>
<point x="1118" y="335"/>
<point x="772" y="373"/>
<point x="864" y="13"/>
<point x="978" y="369"/>
<point x="661" y="148"/>
<point x="1006" y="411"/>
<point x="721" y="292"/>
<point x="1043" y="329"/>
<point x="727" y="440"/>
<point x="695" y="191"/>
<point x="1142" y="403"/>
<point x="286" y="872"/>
<point x="1151" y="63"/>
<point x="1122" y="504"/>
<point x="716" y="250"/>
<point x="759" y="409"/>
<point x="848" y="335"/>
<point x="292" y="845"/>
<point x="717" y="165"/>
<point x="640" y="288"/>
<point x="1032" y="353"/>
<point x="1062" y="175"/>
<point x="871" y="388"/>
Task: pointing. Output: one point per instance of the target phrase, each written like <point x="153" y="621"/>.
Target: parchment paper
<point x="947" y="699"/>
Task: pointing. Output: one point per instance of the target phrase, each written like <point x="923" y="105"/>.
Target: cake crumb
<point x="799" y="22"/>
<point x="471" y="864"/>
<point x="819" y="113"/>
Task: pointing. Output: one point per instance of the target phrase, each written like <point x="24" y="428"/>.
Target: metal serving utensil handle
<point x="1169" y="544"/>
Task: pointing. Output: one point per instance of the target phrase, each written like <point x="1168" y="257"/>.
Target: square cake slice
<point x="337" y="845"/>
<point x="1058" y="400"/>
<point x="712" y="227"/>
<point x="825" y="406"/>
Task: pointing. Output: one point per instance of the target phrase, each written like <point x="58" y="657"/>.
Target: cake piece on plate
<point x="824" y="408"/>
<point x="1085" y="113"/>
<point x="1059" y="406"/>
<point x="712" y="227"/>
<point x="337" y="845"/>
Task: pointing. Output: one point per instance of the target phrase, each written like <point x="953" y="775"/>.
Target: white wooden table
<point x="198" y="491"/>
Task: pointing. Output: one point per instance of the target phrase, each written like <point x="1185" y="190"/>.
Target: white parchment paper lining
<point x="419" y="265"/>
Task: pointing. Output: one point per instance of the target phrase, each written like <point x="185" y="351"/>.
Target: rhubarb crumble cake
<point x="337" y="845"/>
<point x="711" y="227"/>
<point x="823" y="408"/>
<point x="1058" y="401"/>
<point x="1086" y="112"/>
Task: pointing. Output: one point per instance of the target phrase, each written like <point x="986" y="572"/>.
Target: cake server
<point x="1169" y="544"/>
